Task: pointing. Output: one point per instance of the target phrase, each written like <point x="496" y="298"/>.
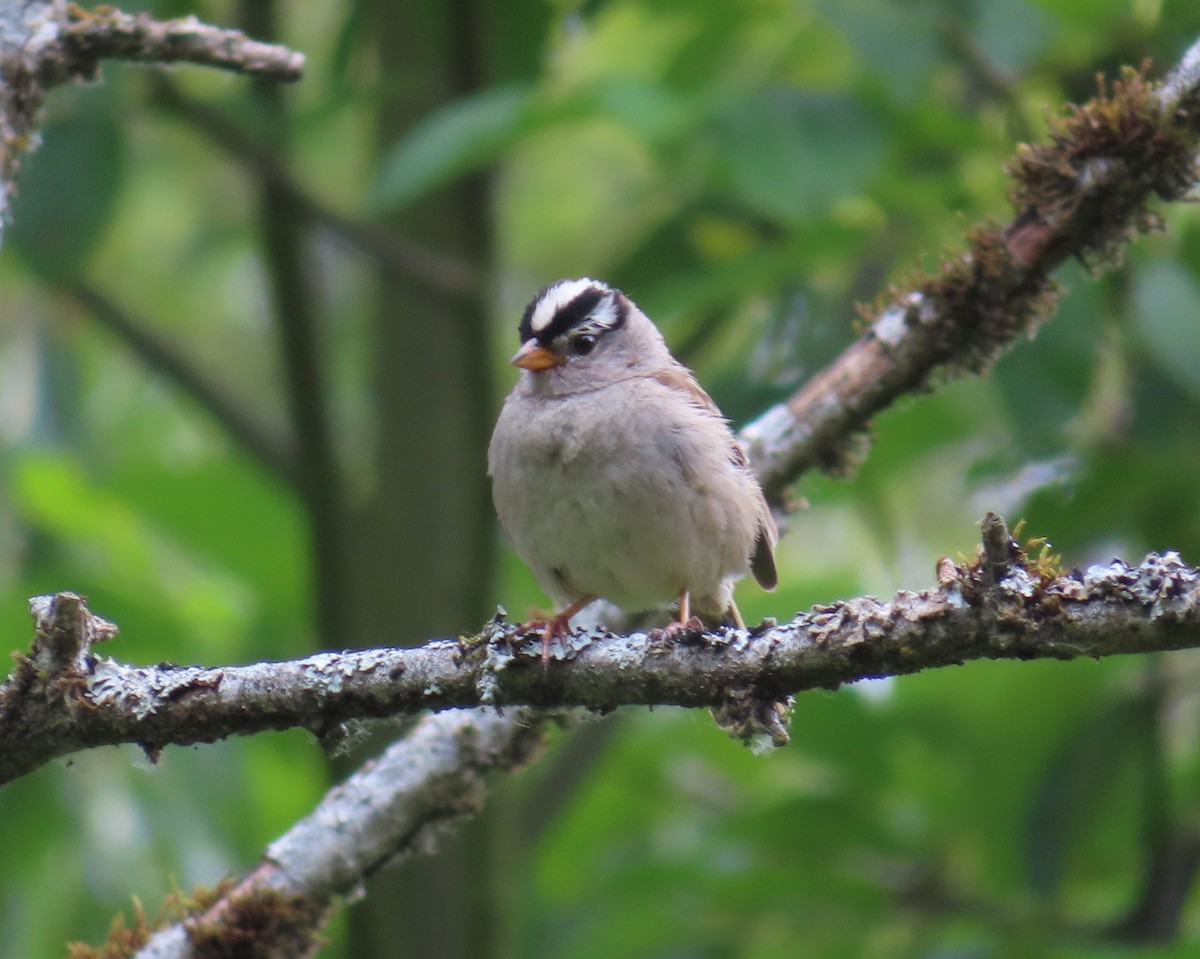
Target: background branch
<point x="264" y="446"/>
<point x="294" y="303"/>
<point x="438" y="271"/>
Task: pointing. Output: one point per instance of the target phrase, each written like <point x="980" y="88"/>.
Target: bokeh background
<point x="252" y="341"/>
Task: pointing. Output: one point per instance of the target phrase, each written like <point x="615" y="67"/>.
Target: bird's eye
<point x="583" y="344"/>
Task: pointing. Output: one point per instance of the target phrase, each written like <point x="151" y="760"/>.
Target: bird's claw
<point x="556" y="627"/>
<point x="676" y="630"/>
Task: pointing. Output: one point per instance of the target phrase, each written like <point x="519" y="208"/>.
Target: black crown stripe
<point x="575" y="312"/>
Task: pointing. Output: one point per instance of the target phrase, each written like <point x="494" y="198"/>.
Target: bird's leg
<point x="686" y="623"/>
<point x="735" y="614"/>
<point x="557" y="625"/>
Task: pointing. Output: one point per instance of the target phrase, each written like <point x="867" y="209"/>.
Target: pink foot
<point x="676" y="629"/>
<point x="550" y="629"/>
<point x="557" y="626"/>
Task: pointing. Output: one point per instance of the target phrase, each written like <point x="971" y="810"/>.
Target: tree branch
<point x="269" y="448"/>
<point x="437" y="271"/>
<point x="57" y="702"/>
<point x="106" y="33"/>
<point x="45" y="43"/>
<point x="1082" y="195"/>
<point x="393" y="807"/>
<point x="295" y="313"/>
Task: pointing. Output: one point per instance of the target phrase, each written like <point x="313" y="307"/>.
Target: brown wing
<point x="762" y="562"/>
<point x="680" y="379"/>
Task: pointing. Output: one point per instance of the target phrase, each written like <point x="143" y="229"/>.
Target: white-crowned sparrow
<point x="614" y="473"/>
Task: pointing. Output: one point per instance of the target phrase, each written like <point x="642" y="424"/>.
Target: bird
<point x="614" y="474"/>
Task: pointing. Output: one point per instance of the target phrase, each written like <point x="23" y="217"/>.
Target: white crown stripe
<point x="559" y="296"/>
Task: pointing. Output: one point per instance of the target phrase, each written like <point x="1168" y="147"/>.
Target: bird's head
<point x="580" y="334"/>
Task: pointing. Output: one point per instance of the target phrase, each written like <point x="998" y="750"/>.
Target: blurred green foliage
<point x="747" y="170"/>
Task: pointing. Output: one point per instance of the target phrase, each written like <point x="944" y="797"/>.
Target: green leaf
<point x="789" y="154"/>
<point x="1010" y="33"/>
<point x="115" y="543"/>
<point x="898" y="41"/>
<point x="460" y="138"/>
<point x="67" y="188"/>
<point x="1168" y="302"/>
<point x="651" y="111"/>
<point x="1095" y="15"/>
<point x="1074" y="822"/>
<point x="1045" y="383"/>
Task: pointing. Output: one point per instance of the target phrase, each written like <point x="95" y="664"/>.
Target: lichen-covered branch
<point x="393" y="807"/>
<point x="1082" y="194"/>
<point x="107" y="33"/>
<point x="61" y="698"/>
<point x="46" y="43"/>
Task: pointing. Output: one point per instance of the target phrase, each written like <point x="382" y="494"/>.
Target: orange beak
<point x="533" y="356"/>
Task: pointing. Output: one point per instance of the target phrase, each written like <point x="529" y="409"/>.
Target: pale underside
<point x="593" y="515"/>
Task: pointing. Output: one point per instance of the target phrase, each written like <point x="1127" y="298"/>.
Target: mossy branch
<point x="1084" y="193"/>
